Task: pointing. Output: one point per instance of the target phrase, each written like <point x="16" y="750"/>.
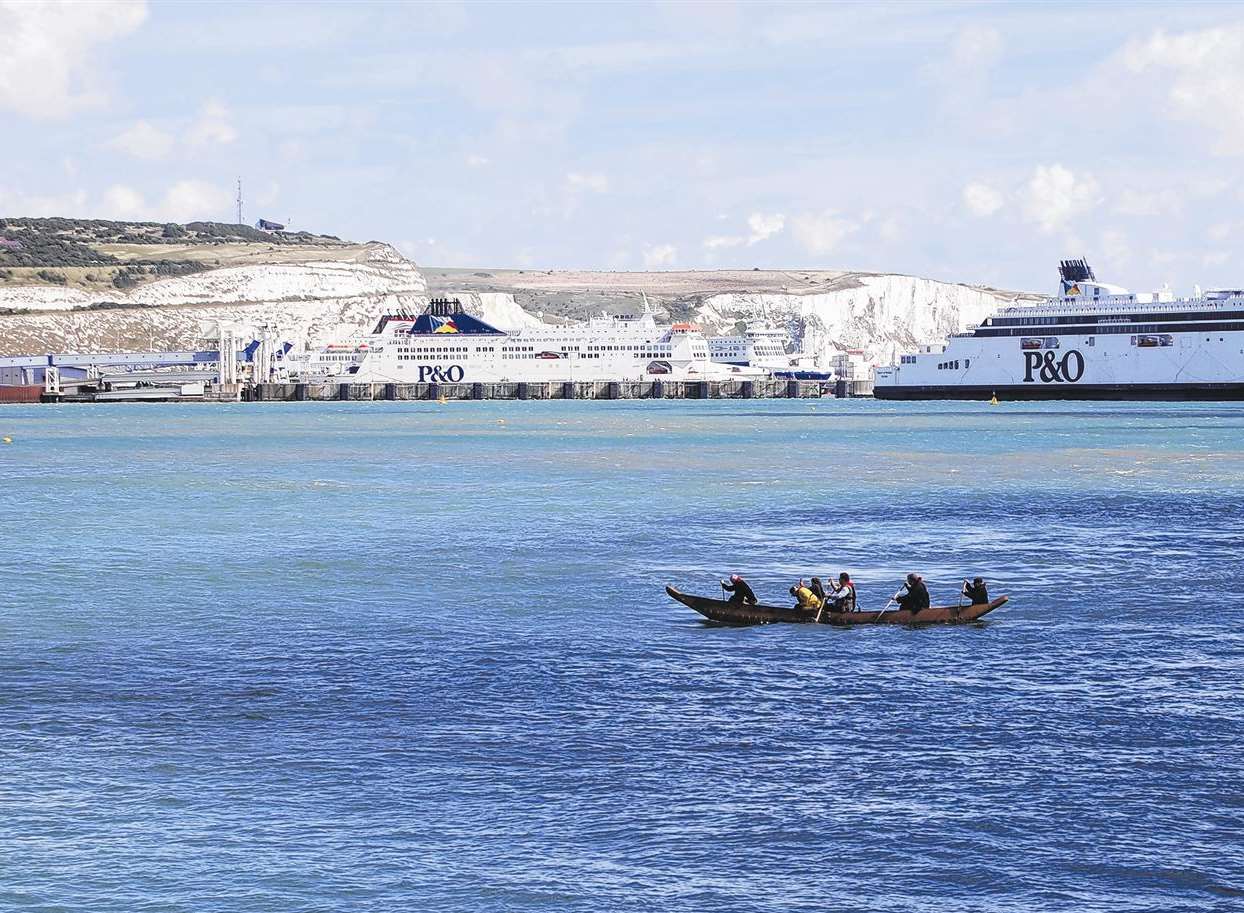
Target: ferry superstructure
<point x="446" y="345"/>
<point x="761" y="345"/>
<point x="1091" y="341"/>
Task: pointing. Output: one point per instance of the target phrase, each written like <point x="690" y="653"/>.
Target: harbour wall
<point x="587" y="390"/>
<point x="767" y="388"/>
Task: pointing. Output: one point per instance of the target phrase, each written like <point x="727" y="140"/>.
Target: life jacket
<point x="846" y="597"/>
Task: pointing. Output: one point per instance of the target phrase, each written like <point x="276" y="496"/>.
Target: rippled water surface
<point x="343" y="657"/>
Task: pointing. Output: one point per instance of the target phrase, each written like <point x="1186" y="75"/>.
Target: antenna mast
<point x="239" y="201"/>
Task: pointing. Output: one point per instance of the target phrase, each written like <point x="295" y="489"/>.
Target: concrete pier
<point x="608" y="390"/>
<point x="767" y="388"/>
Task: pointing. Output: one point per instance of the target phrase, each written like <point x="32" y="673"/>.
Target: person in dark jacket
<point x="976" y="591"/>
<point x="818" y="589"/>
<point x="740" y="590"/>
<point x="917" y="595"/>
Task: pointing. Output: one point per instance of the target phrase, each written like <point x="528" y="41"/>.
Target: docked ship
<point x="446" y="345"/>
<point x="763" y="346"/>
<point x="1091" y="341"/>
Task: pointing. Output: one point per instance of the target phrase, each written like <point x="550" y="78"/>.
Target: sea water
<point x="411" y="656"/>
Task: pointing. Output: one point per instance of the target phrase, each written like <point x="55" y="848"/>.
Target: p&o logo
<point x="437" y="374"/>
<point x="1053" y="370"/>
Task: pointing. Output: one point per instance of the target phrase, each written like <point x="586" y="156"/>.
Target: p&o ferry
<point x="1091" y="341"/>
<point x="446" y="345"/>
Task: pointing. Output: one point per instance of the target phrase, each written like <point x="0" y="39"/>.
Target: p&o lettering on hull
<point x="439" y="374"/>
<point x="1051" y="369"/>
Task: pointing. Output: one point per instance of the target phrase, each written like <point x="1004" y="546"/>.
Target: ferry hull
<point x="1206" y="392"/>
<point x="20" y="394"/>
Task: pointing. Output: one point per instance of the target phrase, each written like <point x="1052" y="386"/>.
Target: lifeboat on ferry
<point x="660" y="367"/>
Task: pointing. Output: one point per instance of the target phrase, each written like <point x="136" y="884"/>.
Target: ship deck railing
<point x="1090" y="305"/>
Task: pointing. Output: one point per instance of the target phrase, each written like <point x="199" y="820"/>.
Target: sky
<point x="968" y="142"/>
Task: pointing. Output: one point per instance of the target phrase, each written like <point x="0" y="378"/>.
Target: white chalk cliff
<point x="317" y="300"/>
<point x="883" y="315"/>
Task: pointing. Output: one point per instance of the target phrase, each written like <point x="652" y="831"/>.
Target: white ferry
<point x="1091" y="341"/>
<point x="763" y="346"/>
<point x="446" y="345"/>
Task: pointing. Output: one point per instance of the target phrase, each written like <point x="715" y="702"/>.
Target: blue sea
<point x="410" y="656"/>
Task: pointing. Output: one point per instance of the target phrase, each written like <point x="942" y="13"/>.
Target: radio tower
<point x="239" y="201"/>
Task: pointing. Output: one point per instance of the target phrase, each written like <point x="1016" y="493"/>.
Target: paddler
<point x="804" y="597"/>
<point x="818" y="590"/>
<point x="976" y="591"/>
<point x="917" y="595"/>
<point x="843" y="598"/>
<point x="740" y="590"/>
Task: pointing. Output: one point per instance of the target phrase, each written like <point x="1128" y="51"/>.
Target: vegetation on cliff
<point x="97" y="253"/>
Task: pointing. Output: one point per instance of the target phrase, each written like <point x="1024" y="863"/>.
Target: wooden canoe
<point x="736" y="613"/>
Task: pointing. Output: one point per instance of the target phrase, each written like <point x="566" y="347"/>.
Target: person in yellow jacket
<point x="805" y="598"/>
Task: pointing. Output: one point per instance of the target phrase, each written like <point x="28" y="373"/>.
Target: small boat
<point x="737" y="613"/>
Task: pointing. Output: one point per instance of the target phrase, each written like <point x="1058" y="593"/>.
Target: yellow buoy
<point x="7" y="440"/>
<point x="993" y="400"/>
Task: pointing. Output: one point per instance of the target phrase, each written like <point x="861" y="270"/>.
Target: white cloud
<point x="144" y="141"/>
<point x="764" y="226"/>
<point x="1056" y="195"/>
<point x="981" y="199"/>
<point x="761" y="226"/>
<point x="190" y="201"/>
<point x="124" y="203"/>
<point x="820" y="233"/>
<point x="48" y="52"/>
<point x="1202" y="75"/>
<point x="474" y="160"/>
<point x="659" y="255"/>
<point x="594" y="182"/>
<point x="213" y="127"/>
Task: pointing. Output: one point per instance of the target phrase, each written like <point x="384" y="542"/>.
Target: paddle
<point x="893" y="598"/>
